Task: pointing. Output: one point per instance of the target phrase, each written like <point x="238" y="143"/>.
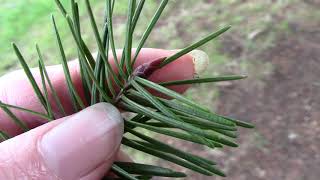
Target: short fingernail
<point x="200" y="61"/>
<point x="82" y="142"/>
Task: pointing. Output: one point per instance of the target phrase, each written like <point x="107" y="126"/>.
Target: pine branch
<point x="128" y="89"/>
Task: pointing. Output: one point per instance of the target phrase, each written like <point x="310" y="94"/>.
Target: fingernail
<point x="83" y="141"/>
<point x="200" y="60"/>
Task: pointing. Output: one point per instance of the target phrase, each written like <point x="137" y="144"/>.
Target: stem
<point x="144" y="71"/>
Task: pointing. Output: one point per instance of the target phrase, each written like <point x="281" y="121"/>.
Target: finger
<point x="101" y="170"/>
<point x="186" y="67"/>
<point x="17" y="90"/>
<point x="123" y="157"/>
<point x="69" y="148"/>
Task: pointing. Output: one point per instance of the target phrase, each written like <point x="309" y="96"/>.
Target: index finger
<point x="15" y="88"/>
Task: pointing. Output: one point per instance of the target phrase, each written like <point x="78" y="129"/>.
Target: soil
<point x="285" y="107"/>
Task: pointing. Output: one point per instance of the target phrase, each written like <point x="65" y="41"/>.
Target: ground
<point x="284" y="105"/>
<point x="284" y="108"/>
<point x="277" y="44"/>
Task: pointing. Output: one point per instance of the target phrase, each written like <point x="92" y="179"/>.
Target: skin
<point x="22" y="156"/>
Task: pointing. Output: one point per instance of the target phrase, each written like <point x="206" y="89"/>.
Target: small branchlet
<point x="145" y="70"/>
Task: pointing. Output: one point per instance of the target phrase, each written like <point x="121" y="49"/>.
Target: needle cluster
<point x="176" y="116"/>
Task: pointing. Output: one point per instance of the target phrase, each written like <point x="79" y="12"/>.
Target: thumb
<point x="80" y="146"/>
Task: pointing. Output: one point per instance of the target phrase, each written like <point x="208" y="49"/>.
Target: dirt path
<point x="285" y="111"/>
<point x="284" y="106"/>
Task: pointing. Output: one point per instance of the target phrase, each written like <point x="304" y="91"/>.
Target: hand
<point x="80" y="146"/>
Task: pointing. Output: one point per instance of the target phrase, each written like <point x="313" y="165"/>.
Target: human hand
<point x="83" y="145"/>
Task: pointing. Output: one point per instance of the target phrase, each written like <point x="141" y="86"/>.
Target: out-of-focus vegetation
<point x="28" y="22"/>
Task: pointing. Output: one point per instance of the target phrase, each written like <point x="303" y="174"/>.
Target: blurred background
<point x="275" y="42"/>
